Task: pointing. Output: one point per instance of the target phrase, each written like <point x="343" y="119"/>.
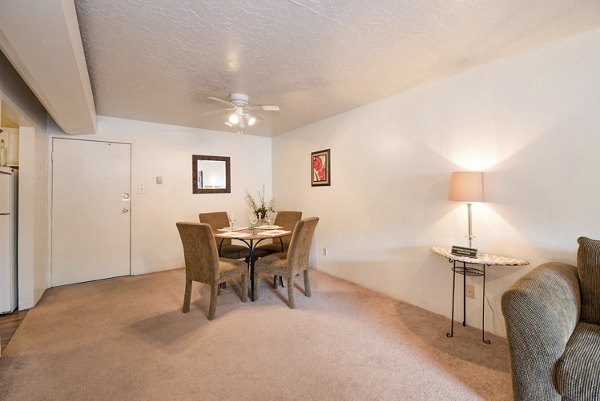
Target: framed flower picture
<point x="320" y="167"/>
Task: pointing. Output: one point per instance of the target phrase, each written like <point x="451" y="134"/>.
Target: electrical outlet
<point x="324" y="251"/>
<point x="470" y="291"/>
<point x="141" y="189"/>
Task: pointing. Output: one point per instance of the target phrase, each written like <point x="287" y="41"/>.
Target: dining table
<point x="252" y="237"/>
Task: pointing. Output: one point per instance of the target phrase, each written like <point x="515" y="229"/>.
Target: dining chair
<point x="226" y="249"/>
<point x="202" y="264"/>
<point x="294" y="261"/>
<point x="287" y="220"/>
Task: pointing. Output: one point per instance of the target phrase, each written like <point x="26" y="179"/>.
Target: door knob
<point x="125" y="210"/>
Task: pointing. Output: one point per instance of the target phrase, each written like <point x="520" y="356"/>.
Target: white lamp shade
<point x="466" y="186"/>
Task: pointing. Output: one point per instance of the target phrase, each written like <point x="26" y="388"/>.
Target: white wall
<point x="166" y="151"/>
<point x="15" y="91"/>
<point x="32" y="237"/>
<point x="33" y="229"/>
<point x="530" y="122"/>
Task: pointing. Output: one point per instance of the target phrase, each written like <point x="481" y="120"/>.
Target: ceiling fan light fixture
<point x="234" y="119"/>
<point x="241" y="116"/>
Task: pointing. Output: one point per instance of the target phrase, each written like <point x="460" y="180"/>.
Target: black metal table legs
<point x="251" y="246"/>
<point x="467" y="271"/>
<point x="451" y="334"/>
<point x="279" y="279"/>
<point x="483" y="311"/>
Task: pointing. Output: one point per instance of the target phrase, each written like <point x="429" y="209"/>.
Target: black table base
<point x="459" y="267"/>
<point x="251" y="246"/>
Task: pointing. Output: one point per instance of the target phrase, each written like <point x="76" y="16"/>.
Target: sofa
<point x="552" y="317"/>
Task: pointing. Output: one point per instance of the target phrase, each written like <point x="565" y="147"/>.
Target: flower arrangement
<point x="259" y="208"/>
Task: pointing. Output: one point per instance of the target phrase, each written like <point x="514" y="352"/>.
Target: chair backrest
<point x="200" y="252"/>
<point x="299" y="251"/>
<point x="287" y="220"/>
<point x="216" y="220"/>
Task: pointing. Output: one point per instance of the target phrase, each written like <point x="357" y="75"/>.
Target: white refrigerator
<point x="8" y="239"/>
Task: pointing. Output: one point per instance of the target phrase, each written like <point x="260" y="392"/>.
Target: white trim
<point x="27" y="303"/>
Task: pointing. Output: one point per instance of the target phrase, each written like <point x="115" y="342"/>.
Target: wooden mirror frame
<point x="196" y="190"/>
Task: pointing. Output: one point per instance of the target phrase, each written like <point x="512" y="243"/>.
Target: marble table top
<point x="481" y="259"/>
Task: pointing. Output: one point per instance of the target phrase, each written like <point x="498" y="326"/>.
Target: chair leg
<point x="245" y="286"/>
<point x="187" y="296"/>
<point x="278" y="281"/>
<point x="306" y="284"/>
<point x="256" y="285"/>
<point x="213" y="301"/>
<point x="290" y="283"/>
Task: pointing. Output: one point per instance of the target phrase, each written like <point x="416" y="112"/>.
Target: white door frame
<point x="49" y="148"/>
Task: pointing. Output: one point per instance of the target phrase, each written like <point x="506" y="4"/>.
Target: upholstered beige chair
<point x="226" y="249"/>
<point x="293" y="262"/>
<point x="287" y="220"/>
<point x="552" y="317"/>
<point x="202" y="264"/>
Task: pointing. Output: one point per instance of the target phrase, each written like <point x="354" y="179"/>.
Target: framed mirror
<point x="211" y="174"/>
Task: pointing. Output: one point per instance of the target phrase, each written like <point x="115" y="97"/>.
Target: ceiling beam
<point x="42" y="41"/>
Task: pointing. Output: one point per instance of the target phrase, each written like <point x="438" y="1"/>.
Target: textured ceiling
<point x="156" y="60"/>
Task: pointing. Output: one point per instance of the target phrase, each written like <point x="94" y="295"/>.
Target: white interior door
<point x="91" y="184"/>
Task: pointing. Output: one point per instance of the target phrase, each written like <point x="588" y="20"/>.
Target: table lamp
<point x="467" y="186"/>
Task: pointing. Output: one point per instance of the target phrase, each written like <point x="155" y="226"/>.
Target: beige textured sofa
<point x="553" y="326"/>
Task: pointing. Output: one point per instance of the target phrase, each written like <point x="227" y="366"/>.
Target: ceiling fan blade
<point x="213" y="112"/>
<point x="216" y="99"/>
<point x="264" y="107"/>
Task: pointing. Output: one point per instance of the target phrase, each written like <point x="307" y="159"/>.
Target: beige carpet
<point x="126" y="339"/>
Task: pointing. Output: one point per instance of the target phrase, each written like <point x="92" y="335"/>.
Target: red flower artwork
<point x="319" y="168"/>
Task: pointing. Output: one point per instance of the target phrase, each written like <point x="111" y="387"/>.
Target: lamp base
<point x="470" y="236"/>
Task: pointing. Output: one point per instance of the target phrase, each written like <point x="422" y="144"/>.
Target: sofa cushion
<point x="588" y="268"/>
<point x="577" y="374"/>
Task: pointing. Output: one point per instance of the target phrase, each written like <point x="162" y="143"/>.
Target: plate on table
<point x="234" y="229"/>
<point x="267" y="227"/>
<point x="233" y="234"/>
<point x="276" y="232"/>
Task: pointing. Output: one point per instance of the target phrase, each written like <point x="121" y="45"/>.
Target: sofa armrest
<point x="541" y="311"/>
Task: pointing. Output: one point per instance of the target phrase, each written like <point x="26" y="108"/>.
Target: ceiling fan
<point x="241" y="109"/>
